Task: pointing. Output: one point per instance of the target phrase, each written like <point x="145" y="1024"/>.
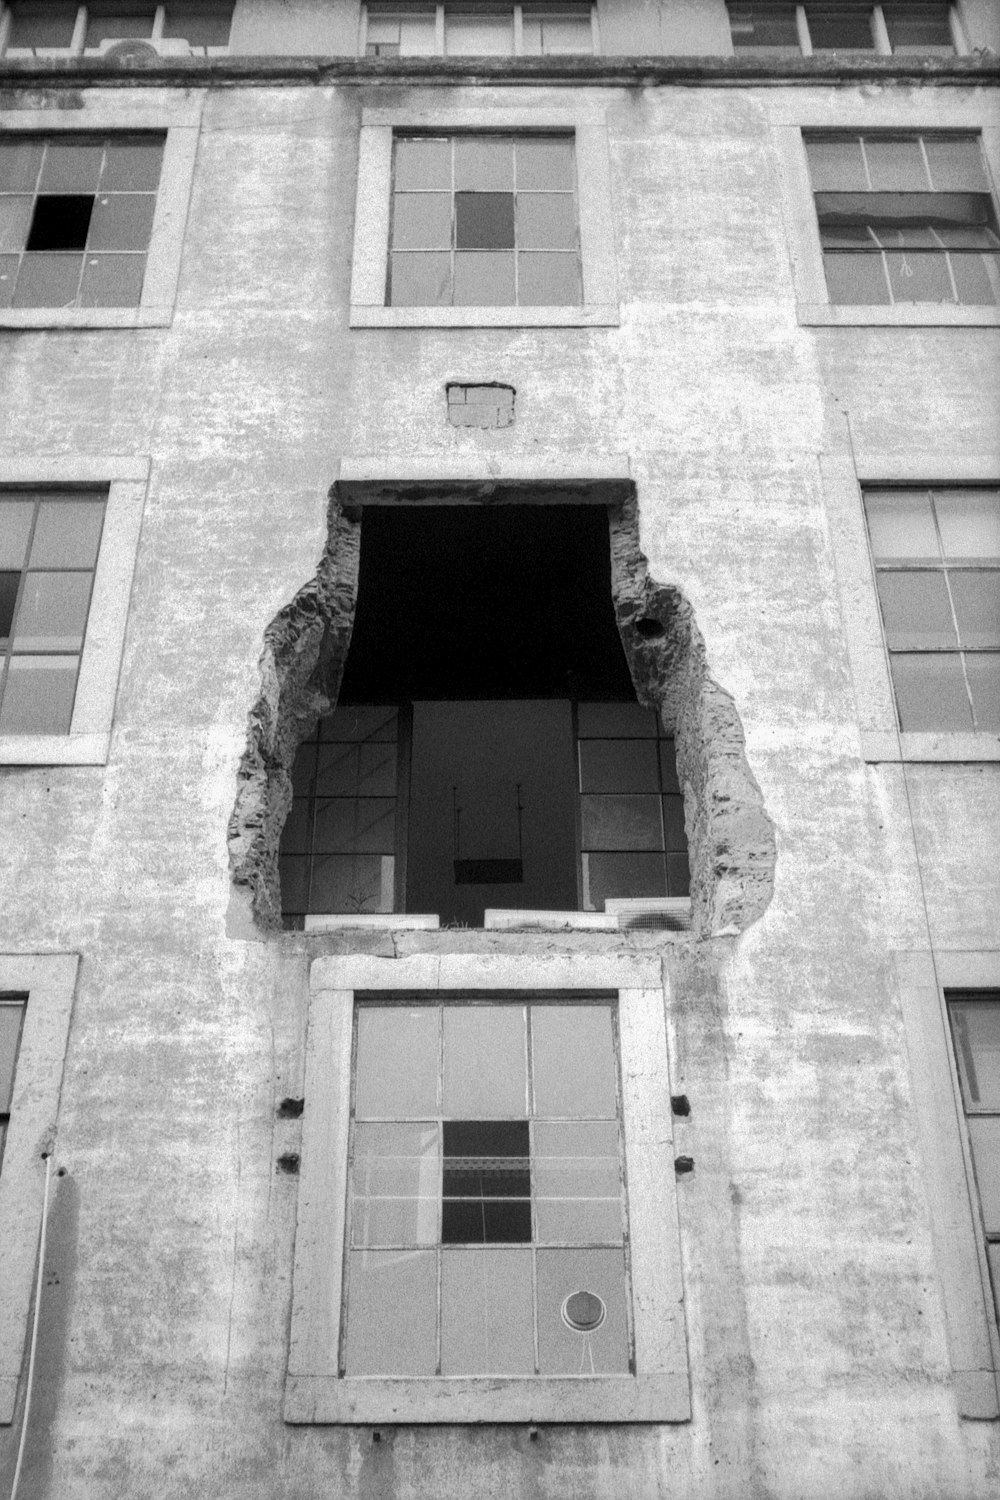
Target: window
<point x="782" y="28"/>
<point x="484" y="220"/>
<point x="11" y="1022"/>
<point x="463" y="30"/>
<point x="461" y="1245"/>
<point x="37" y="28"/>
<point x="975" y="1027"/>
<point x="937" y="567"/>
<point x="905" y="218"/>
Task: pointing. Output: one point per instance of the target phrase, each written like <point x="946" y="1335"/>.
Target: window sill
<point x="54" y="749"/>
<point x="911" y="315"/>
<point x="540" y="1398"/>
<point x="604" y="315"/>
<point x="85" y="317"/>
<point x="382" y="921"/>
<point x="878" y="746"/>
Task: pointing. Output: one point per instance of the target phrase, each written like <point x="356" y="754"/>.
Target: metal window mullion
<point x="802" y="27"/>
<point x="439" y="29"/>
<point x="518" y="29"/>
<point x="79" y="36"/>
<point x="880" y="32"/>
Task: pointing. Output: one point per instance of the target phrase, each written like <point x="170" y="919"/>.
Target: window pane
<point x="20" y="162"/>
<point x="483" y="279"/>
<point x="38" y="695"/>
<point x="984" y="1133"/>
<point x="919" y="277"/>
<point x="417" y="36"/>
<point x="104" y="26"/>
<point x="668" y="767"/>
<point x="983" y="672"/>
<point x="673" y="823"/>
<point x="918" y="30"/>
<point x="15" y="220"/>
<point x="479" y="36"/>
<point x="52" y="614"/>
<point x="61" y="221"/>
<point x="15" y="528"/>
<point x="549" y="280"/>
<point x="112" y="280"/>
<point x="42" y="25"/>
<point x="360" y="721"/>
<point x="930" y="692"/>
<point x="132" y="165"/>
<point x="837" y="165"/>
<point x="977" y="279"/>
<point x="621" y="821"/>
<point x="838" y="28"/>
<point x="915" y="610"/>
<point x="563" y="35"/>
<point x="484" y="221"/>
<point x="484" y="164"/>
<point x="678" y="875"/>
<point x="976" y="593"/>
<point x="573" y="1061"/>
<point x="896" y="166"/>
<point x="421" y="221"/>
<point x="367" y="769"/>
<point x="768" y="26"/>
<point x="9" y="585"/>
<point x="351" y="883"/>
<point x="956" y="164"/>
<point x="545" y="164"/>
<point x="11" y="1015"/>
<point x="485" y="1062"/>
<point x="8" y="276"/>
<point x="563" y="1350"/>
<point x="486" y="1312"/>
<point x="122" y="221"/>
<point x="578" y="1191"/>
<point x="422" y="164"/>
<point x="901" y="525"/>
<point x="397" y="1066"/>
<point x="546" y="221"/>
<point x="355" y="825"/>
<point x="618" y="766"/>
<point x="294" y="875"/>
<point x="296" y="834"/>
<point x="613" y="875"/>
<point x="67" y="534"/>
<point x="395" y="1185"/>
<point x="391" y="1313"/>
<point x="976" y="1028"/>
<point x="856" y="280"/>
<point x="202" y="28"/>
<point x="71" y="166"/>
<point x="304" y="770"/>
<point x="420" y="280"/>
<point x="48" y="280"/>
<point x="615" y="721"/>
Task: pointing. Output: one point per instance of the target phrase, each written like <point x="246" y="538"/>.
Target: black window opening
<point x="12" y="1009"/>
<point x="487" y="749"/>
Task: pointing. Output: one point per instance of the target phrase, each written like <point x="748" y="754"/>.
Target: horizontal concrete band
<point x="460" y="479"/>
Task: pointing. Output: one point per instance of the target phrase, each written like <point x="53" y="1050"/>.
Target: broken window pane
<point x="395" y="1185"/>
<point x="573" y="1061"/>
<point x="562" y="1349"/>
<point x="60" y="222"/>
<point x="916" y="610"/>
<point x="487" y="1327"/>
<point x="38" y="695"/>
<point x="348" y="883"/>
<point x="485" y="1061"/>
<point x="930" y="692"/>
<point x="391" y="1313"/>
<point x="397" y="1069"/>
<point x="983" y="672"/>
<point x="9" y="586"/>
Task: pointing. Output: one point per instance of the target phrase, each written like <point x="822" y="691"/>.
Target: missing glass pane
<point x="486" y="1182"/>
<point x="61" y="222"/>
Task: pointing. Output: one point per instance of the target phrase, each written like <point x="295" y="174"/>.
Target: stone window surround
<point x="179" y="120"/>
<point x="587" y="123"/>
<point x="659" y="1390"/>
<point x="843" y="479"/>
<point x="89" y="737"/>
<point x="790" y="117"/>
<point x="922" y="976"/>
<point x="49" y="981"/>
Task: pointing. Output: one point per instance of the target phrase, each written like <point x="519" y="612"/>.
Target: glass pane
<point x="423" y="164"/>
<point x="368" y="769"/>
<point x="355" y="825"/>
<point x="397" y="1064"/>
<point x="8" y="276"/>
<point x="484" y="221"/>
<point x="391" y="1313"/>
<point x="486" y="1312"/>
<point x="896" y="166"/>
<point x="920" y="276"/>
<point x="11" y="1015"/>
<point x="901" y="525"/>
<point x="578" y="1191"/>
<point x="362" y="721"/>
<point x="293" y="872"/>
<point x="975" y="1025"/>
<point x="983" y="672"/>
<point x="484" y="164"/>
<point x="417" y="36"/>
<point x="104" y="26"/>
<point x="351" y="883"/>
<point x="545" y="164"/>
<point x="202" y="28"/>
<point x="984" y="1133"/>
<point x="856" y="280"/>
<point x="304" y="770"/>
<point x="674" y="836"/>
<point x="421" y="221"/>
<point x="132" y="165"/>
<point x="837" y="28"/>
<point x="20" y="161"/>
<point x="915" y="610"/>
<point x="420" y="280"/>
<point x="52" y="615"/>
<point x="483" y="279"/>
<point x="930" y="692"/>
<point x="976" y="594"/>
<point x="977" y="279"/>
<point x="837" y="165"/>
<point x="612" y="875"/>
<point x="38" y="695"/>
<point x="479" y="36"/>
<point x="956" y="164"/>
<point x="573" y="1061"/>
<point x="486" y="1182"/>
<point x="15" y="528"/>
<point x="618" y="766"/>
<point x="9" y="585"/>
<point x="549" y="280"/>
<point x="48" y="280"/>
<point x="42" y="26"/>
<point x="295" y="836"/>
<point x="563" y="35"/>
<point x="67" y="534"/>
<point x="15" y="220"/>
<point x="546" y="221"/>
<point x="615" y="721"/>
<point x="71" y="166"/>
<point x="61" y="221"/>
<point x="485" y="1062"/>
<point x="564" y="1350"/>
<point x="121" y="221"/>
<point x="112" y="280"/>
<point x="678" y="875"/>
<point x="395" y="1185"/>
<point x="621" y="821"/>
<point x="923" y="30"/>
<point x="668" y="767"/>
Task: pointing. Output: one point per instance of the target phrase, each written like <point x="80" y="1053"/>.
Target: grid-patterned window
<point x="631" y="807"/>
<point x="478" y="30"/>
<point x="484" y="220"/>
<point x="782" y="27"/>
<point x="937" y="566"/>
<point x="905" y="218"/>
<point x="975" y="1027"/>
<point x="76" y="213"/>
<point x="11" y="1024"/>
<point x="338" y="844"/>
<point x="918" y="26"/>
<point x="486" y="1214"/>
<point x="48" y="552"/>
<point x="41" y="28"/>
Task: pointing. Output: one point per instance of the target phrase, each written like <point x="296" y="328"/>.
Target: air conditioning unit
<point x="140" y="49"/>
<point x="651" y="913"/>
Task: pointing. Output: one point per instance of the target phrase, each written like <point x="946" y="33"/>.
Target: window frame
<point x="77" y="46"/>
<point x="881" y="44"/>
<point x="517" y="8"/>
<point x="373" y="210"/>
<point x="89" y="737"/>
<point x="658" y="1391"/>
<point x="179" y="121"/>
<point x="49" y="982"/>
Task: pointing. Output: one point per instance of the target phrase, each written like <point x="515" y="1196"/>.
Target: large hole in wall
<point x="484" y="705"/>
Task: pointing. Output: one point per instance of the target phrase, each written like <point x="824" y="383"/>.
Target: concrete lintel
<point x="487" y="971"/>
<point x="461" y="479"/>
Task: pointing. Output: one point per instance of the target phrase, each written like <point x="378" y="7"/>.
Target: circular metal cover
<point x="583" y="1311"/>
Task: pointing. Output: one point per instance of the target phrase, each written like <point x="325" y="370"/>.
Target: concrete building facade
<point x="676" y="446"/>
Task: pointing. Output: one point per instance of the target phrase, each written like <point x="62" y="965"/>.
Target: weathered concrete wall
<point x="815" y="1324"/>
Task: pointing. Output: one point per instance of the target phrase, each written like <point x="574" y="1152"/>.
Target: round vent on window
<point x="132" y="52"/>
<point x="583" y="1311"/>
